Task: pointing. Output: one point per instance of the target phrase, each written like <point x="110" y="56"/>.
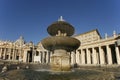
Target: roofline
<point x="88" y="32"/>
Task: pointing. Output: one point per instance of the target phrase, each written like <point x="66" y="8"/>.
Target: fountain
<point x="60" y="44"/>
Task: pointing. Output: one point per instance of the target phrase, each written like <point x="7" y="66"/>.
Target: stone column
<point x="102" y="57"/>
<point x="47" y="57"/>
<point x="13" y="55"/>
<point x="25" y="56"/>
<point x="20" y="55"/>
<point x="82" y="57"/>
<point x="94" y="56"/>
<point x="4" y="53"/>
<point x="88" y="56"/>
<point x="0" y="53"/>
<point x="109" y="54"/>
<point x="28" y="57"/>
<point x="40" y="55"/>
<point x="9" y="53"/>
<point x="78" y="57"/>
<point x="72" y="58"/>
<point x="117" y="54"/>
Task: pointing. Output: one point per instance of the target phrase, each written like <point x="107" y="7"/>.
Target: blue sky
<point x="30" y="18"/>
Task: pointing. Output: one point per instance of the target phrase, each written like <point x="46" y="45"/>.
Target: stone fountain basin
<point x="60" y="42"/>
<point x="62" y="26"/>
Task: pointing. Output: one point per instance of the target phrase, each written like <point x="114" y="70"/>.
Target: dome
<point x="61" y="26"/>
<point x="60" y="42"/>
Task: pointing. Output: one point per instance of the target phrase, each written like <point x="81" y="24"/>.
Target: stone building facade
<point x="94" y="50"/>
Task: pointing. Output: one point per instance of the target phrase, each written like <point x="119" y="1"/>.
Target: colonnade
<point x="101" y="55"/>
<point x="44" y="56"/>
<point x="38" y="56"/>
<point x="97" y="55"/>
<point x="10" y="53"/>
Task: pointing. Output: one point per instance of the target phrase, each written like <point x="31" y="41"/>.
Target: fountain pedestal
<point x="60" y="60"/>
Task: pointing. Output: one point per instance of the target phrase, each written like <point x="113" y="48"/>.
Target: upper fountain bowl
<point x="61" y="26"/>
